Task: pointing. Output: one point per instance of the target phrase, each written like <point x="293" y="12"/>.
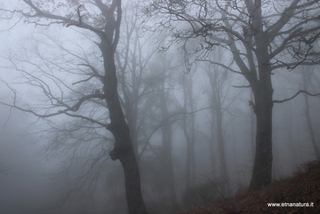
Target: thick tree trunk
<point x="263" y="91"/>
<point x="132" y="184"/>
<point x="123" y="148"/>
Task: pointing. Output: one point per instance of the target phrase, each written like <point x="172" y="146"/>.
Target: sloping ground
<point x="302" y="190"/>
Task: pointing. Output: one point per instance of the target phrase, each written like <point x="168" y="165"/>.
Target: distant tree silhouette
<point x="261" y="37"/>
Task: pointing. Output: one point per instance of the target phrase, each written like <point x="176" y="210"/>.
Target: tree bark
<point x="262" y="169"/>
<point x="123" y="148"/>
<point x="261" y="85"/>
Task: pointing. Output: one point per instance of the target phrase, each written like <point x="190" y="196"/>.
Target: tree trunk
<point x="123" y="149"/>
<point x="188" y="127"/>
<point x="212" y="142"/>
<point x="252" y="132"/>
<point x="292" y="141"/>
<point x="167" y="150"/>
<point x="223" y="166"/>
<point x="168" y="164"/>
<point x="190" y="159"/>
<point x="311" y="129"/>
<point x="263" y="91"/>
<point x="217" y="82"/>
<point x="132" y="184"/>
<point x="166" y="129"/>
<point x="309" y="122"/>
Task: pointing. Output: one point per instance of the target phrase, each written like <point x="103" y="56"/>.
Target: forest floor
<point x="291" y="195"/>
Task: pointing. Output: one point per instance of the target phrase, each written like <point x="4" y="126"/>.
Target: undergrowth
<point x="303" y="187"/>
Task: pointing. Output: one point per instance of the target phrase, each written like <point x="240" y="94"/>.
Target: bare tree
<point x="259" y="35"/>
<point x="165" y="108"/>
<point x="102" y="22"/>
<point x="132" y="60"/>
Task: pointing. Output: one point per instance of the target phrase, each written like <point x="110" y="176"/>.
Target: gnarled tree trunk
<point x="123" y="148"/>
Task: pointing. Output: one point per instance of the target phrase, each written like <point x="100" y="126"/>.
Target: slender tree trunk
<point x="252" y="132"/>
<point x="167" y="150"/>
<point x="216" y="87"/>
<point x="223" y="165"/>
<point x="190" y="160"/>
<point x="166" y="131"/>
<point x="188" y="157"/>
<point x="168" y="164"/>
<point x="309" y="122"/>
<point x="188" y="127"/>
<point x="291" y="140"/>
<point x="311" y="129"/>
<point x="212" y="141"/>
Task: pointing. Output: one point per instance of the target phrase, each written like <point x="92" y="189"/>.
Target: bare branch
<point x="117" y="4"/>
<point x="296" y="94"/>
<point x="68" y="108"/>
<point x="82" y="99"/>
<point x="80" y="81"/>
<point x="227" y="67"/>
<point x="243" y="86"/>
<point x="88" y="118"/>
<point x="40" y="13"/>
<point x="79" y="16"/>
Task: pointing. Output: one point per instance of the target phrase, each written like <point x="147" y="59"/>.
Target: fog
<point x="189" y="107"/>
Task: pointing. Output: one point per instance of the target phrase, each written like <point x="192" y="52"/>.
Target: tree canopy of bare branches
<point x="101" y="20"/>
<point x="261" y="36"/>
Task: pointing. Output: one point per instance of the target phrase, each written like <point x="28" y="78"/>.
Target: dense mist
<point x="154" y="106"/>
